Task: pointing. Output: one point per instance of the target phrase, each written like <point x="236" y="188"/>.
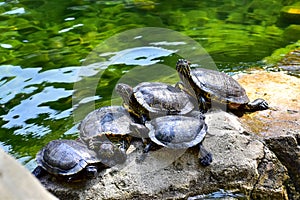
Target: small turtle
<point x="152" y="99"/>
<point x="178" y="132"/>
<point x="67" y="158"/>
<point x="106" y="130"/>
<point x="209" y="85"/>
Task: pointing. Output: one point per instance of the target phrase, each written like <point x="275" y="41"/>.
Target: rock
<point x="287" y="149"/>
<point x="291" y="63"/>
<point x="290" y="14"/>
<point x="282" y="92"/>
<point x="240" y="162"/>
<point x="292" y="33"/>
<point x="280" y="125"/>
<point x="17" y="183"/>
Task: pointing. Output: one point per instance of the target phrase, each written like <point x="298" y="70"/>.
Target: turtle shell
<point x="112" y="121"/>
<point x="65" y="157"/>
<point x="219" y="86"/>
<point x="161" y="98"/>
<point x="176" y="131"/>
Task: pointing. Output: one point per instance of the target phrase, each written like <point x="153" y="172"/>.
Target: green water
<point x="43" y="45"/>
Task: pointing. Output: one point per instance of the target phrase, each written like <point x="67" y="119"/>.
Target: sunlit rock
<point x="282" y="92"/>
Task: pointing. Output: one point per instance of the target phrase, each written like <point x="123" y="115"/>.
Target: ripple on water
<point x="26" y="92"/>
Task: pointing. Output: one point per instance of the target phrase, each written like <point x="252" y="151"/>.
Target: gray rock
<point x="287" y="149"/>
<point x="241" y="162"/>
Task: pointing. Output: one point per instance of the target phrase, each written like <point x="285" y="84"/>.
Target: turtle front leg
<point x="203" y="106"/>
<point x="39" y="172"/>
<point x="257" y="104"/>
<point x="205" y="157"/>
<point x="147" y="147"/>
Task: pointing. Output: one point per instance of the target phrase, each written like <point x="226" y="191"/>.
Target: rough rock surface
<point x="280" y="125"/>
<point x="240" y="162"/>
<point x="287" y="149"/>
<point x="283" y="95"/>
<point x="291" y="63"/>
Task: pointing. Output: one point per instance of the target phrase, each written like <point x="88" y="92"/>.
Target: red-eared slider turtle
<point x="209" y="85"/>
<point x="150" y="99"/>
<point x="178" y="132"/>
<point x="67" y="158"/>
<point x="106" y="130"/>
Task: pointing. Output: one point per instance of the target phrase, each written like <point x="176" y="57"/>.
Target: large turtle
<point x="106" y="130"/>
<point x="67" y="158"/>
<point x="177" y="132"/>
<point x="209" y="85"/>
<point x="151" y="99"/>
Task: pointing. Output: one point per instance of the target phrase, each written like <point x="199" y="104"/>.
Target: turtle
<point x="177" y="132"/>
<point x="151" y="99"/>
<point x="210" y="85"/>
<point x="69" y="159"/>
<point x="106" y="131"/>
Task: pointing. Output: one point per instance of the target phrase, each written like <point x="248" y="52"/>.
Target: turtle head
<point x="183" y="67"/>
<point x="125" y="91"/>
<point x="91" y="171"/>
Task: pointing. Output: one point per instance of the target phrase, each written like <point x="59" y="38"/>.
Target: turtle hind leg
<point x="257" y="104"/>
<point x="205" y="157"/>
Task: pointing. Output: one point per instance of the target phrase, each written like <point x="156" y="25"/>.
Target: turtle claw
<point x="205" y="157"/>
<point x="206" y="160"/>
<point x="258" y="104"/>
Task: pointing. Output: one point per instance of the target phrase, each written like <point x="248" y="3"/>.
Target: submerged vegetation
<point x="55" y="34"/>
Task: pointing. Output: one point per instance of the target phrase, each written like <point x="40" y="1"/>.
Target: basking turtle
<point x="152" y="99"/>
<point x="106" y="130"/>
<point x="209" y="85"/>
<point x="178" y="132"/>
<point x="67" y="158"/>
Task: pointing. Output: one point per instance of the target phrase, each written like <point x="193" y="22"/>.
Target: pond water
<point x="61" y="59"/>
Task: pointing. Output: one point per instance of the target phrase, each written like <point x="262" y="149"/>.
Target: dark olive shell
<point x="108" y="120"/>
<point x="162" y="98"/>
<point x="176" y="131"/>
<point x="219" y="86"/>
<point x="65" y="157"/>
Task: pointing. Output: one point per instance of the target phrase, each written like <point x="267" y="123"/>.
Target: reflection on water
<point x="18" y="82"/>
<point x="221" y="194"/>
<point x="139" y="56"/>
